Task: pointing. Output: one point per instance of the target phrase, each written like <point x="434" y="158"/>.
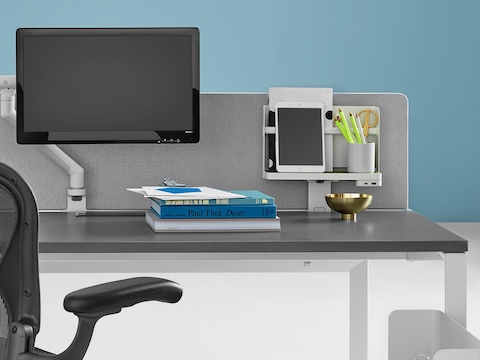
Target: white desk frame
<point x="354" y="263"/>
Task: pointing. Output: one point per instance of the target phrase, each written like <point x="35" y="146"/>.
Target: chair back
<point x="19" y="281"/>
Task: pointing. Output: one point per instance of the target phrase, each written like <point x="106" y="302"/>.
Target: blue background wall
<point x="428" y="50"/>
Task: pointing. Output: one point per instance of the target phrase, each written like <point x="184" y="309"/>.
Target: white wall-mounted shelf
<point x="338" y="158"/>
<point x="328" y="131"/>
<point x="361" y="179"/>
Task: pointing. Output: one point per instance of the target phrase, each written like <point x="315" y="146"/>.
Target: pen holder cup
<point x="361" y="158"/>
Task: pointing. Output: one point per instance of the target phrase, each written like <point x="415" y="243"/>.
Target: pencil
<point x="345" y="124"/>
<point x="359" y="126"/>
<point x="355" y="128"/>
<point x="340" y="126"/>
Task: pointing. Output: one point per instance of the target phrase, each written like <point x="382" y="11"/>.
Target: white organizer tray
<point x="429" y="334"/>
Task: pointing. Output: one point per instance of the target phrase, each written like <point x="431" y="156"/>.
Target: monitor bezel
<point x="160" y="136"/>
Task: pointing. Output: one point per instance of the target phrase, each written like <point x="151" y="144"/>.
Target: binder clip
<point x="171" y="183"/>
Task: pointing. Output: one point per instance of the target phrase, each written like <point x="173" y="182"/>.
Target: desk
<point x="308" y="242"/>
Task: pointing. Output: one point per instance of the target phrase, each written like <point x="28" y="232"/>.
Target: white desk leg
<point x="456" y="287"/>
<point x="359" y="311"/>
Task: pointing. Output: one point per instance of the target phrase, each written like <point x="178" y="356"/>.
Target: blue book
<point x="214" y="211"/>
<point x="253" y="197"/>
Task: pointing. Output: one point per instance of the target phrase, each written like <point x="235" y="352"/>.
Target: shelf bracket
<point x="317" y="189"/>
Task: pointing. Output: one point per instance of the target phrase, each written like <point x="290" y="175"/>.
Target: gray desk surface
<point x="374" y="231"/>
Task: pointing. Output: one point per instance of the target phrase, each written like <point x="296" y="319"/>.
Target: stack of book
<point x="240" y="210"/>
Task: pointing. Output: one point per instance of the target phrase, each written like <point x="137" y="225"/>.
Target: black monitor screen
<point x="108" y="85"/>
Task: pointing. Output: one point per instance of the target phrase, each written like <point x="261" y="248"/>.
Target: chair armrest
<point x="91" y="303"/>
<point x="111" y="297"/>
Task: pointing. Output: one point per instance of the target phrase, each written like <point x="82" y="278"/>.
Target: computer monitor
<point x="108" y="85"/>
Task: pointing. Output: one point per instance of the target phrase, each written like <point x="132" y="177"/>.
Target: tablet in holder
<point x="299" y="136"/>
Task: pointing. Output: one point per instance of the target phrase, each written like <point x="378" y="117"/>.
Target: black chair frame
<point x="20" y="289"/>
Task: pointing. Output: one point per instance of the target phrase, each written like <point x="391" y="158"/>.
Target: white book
<point x="211" y="225"/>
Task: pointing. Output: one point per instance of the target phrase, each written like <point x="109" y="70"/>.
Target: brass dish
<point x="348" y="204"/>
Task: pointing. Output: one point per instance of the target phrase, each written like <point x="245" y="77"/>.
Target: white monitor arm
<point x="76" y="194"/>
<point x="8" y="82"/>
<point x="7" y="105"/>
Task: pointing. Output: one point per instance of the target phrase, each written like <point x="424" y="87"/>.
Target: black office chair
<point x="20" y="290"/>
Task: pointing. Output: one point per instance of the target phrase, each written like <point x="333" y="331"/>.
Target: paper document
<point x="184" y="193"/>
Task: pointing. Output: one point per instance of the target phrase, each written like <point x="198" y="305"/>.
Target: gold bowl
<point x="348" y="204"/>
